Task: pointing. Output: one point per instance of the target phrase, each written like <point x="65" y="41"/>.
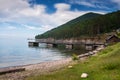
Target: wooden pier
<point x="69" y="44"/>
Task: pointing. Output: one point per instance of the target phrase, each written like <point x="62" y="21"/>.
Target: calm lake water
<point x="14" y="52"/>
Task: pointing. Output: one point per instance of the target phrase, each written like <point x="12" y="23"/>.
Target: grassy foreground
<point x="104" y="66"/>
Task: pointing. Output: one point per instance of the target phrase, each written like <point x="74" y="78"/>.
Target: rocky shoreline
<point x="35" y="69"/>
<point x="44" y="67"/>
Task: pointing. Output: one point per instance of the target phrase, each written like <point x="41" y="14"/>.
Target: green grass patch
<point x="105" y="66"/>
<point x="75" y="57"/>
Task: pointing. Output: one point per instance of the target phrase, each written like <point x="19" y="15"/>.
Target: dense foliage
<point x="89" y="24"/>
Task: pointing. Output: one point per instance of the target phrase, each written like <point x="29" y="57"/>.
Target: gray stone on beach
<point x="70" y="66"/>
<point x="95" y="51"/>
<point x="91" y="53"/>
<point x="84" y="75"/>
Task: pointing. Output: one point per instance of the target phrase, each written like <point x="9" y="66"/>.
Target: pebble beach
<point x="35" y="69"/>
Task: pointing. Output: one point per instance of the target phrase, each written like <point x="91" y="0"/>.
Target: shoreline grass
<point x="104" y="66"/>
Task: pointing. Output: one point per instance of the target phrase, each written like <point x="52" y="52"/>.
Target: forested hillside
<point x="89" y="25"/>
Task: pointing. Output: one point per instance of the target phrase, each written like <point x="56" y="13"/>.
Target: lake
<point x="15" y="52"/>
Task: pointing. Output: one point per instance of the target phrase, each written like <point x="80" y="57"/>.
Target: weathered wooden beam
<point x="11" y="70"/>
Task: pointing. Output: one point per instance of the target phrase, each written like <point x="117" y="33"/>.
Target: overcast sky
<point x="27" y="18"/>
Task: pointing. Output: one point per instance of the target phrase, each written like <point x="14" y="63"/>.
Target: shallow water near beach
<point x="15" y="52"/>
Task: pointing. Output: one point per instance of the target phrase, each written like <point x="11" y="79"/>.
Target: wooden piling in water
<point x="33" y="44"/>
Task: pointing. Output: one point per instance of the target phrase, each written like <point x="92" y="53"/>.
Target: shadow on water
<point x="61" y="48"/>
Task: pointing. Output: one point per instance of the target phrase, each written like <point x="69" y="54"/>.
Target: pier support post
<point x="55" y="45"/>
<point x="52" y="45"/>
<point x="69" y="46"/>
<point x="49" y="45"/>
<point x="33" y="44"/>
<point x="89" y="47"/>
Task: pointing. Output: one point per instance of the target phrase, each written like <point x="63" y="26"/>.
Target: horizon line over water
<point x="15" y="52"/>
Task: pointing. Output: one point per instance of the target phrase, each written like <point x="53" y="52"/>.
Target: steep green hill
<point x="89" y="24"/>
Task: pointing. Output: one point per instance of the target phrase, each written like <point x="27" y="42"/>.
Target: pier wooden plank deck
<point x="69" y="44"/>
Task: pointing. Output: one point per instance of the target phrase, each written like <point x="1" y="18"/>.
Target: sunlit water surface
<point x="15" y="52"/>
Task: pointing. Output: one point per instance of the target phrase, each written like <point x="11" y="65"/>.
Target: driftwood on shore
<point x="11" y="70"/>
<point x="35" y="69"/>
<point x="91" y="52"/>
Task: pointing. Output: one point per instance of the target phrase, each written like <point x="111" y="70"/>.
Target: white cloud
<point x="13" y="4"/>
<point x="10" y="7"/>
<point x="64" y="15"/>
<point x="35" y="18"/>
<point x="82" y="2"/>
<point x="117" y="2"/>
<point x="30" y="27"/>
<point x="62" y="6"/>
<point x="99" y="4"/>
<point x="11" y="27"/>
<point x="41" y="28"/>
<point x="35" y="11"/>
<point x="25" y="14"/>
<point x="86" y="4"/>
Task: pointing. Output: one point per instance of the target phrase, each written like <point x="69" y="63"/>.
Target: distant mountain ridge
<point x="89" y="24"/>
